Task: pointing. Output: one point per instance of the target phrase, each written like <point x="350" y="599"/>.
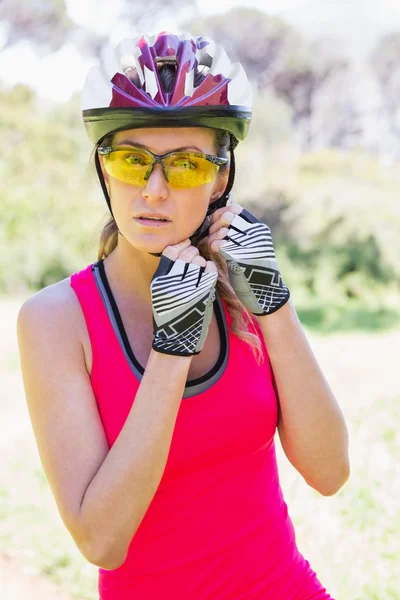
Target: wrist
<point x="273" y="302"/>
<point x="169" y="358"/>
<point x="285" y="311"/>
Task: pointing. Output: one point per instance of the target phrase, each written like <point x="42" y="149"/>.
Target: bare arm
<point x="311" y="425"/>
<point x="121" y="491"/>
<point x="102" y="494"/>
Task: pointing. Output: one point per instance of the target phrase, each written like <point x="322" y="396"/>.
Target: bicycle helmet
<point x="124" y="92"/>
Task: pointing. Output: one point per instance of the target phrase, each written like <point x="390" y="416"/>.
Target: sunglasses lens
<point x="182" y="169"/>
<point x="187" y="170"/>
<point x="128" y="165"/>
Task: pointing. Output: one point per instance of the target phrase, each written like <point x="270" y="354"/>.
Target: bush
<point x="335" y="220"/>
<point x="51" y="205"/>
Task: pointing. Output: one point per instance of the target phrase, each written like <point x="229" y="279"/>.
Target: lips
<point x="145" y="222"/>
<point x="152" y="216"/>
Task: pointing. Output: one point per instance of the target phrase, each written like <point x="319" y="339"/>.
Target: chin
<point x="153" y="242"/>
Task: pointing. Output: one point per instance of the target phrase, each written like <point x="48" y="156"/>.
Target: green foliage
<point x="51" y="205"/>
<point x="335" y="217"/>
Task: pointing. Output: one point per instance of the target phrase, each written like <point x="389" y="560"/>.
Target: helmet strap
<point x="203" y="230"/>
<point x="104" y="188"/>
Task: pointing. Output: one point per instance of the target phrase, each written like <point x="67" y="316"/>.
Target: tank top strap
<point x="106" y="352"/>
<point x="83" y="284"/>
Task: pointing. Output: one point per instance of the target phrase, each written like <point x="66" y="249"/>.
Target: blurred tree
<point x="277" y="59"/>
<point x="338" y="221"/>
<point x="44" y="23"/>
<point x="137" y="17"/>
<point x="385" y="61"/>
<point x="50" y="206"/>
<point x="262" y="43"/>
<point x="141" y="16"/>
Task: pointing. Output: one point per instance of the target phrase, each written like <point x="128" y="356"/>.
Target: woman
<point x="155" y="385"/>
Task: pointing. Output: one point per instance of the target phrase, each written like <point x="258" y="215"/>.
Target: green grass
<point x="334" y="319"/>
<point x="351" y="539"/>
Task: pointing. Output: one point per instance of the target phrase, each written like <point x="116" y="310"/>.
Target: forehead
<point x="161" y="140"/>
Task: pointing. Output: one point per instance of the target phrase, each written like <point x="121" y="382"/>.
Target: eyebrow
<point x="130" y="143"/>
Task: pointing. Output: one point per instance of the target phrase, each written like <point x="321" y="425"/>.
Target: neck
<point x="130" y="271"/>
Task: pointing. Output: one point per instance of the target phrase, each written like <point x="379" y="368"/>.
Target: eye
<point x="134" y="159"/>
<point x="184" y="163"/>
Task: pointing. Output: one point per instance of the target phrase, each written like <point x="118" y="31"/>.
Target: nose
<point x="156" y="187"/>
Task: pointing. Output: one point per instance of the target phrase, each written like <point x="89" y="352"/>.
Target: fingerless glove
<point x="182" y="298"/>
<point x="253" y="269"/>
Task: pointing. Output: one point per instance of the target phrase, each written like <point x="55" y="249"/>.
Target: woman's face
<point x="185" y="208"/>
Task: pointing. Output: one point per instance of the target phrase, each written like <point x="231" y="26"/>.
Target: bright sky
<point x="57" y="76"/>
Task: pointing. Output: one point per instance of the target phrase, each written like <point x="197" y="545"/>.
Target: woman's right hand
<point x="182" y="293"/>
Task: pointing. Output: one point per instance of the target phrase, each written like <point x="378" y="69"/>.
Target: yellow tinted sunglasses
<point x="181" y="169"/>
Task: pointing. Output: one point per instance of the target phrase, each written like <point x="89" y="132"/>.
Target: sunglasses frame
<point x="159" y="158"/>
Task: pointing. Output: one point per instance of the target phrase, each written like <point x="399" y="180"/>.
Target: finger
<point x="218" y="235"/>
<point x="173" y="251"/>
<point x="225" y="220"/>
<point x="189" y="253"/>
<point x="211" y="267"/>
<point x="220" y="211"/>
<point x="216" y="245"/>
<point x="199" y="260"/>
<point x="235" y="208"/>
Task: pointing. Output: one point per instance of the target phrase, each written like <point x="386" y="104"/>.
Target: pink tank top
<point x="218" y="526"/>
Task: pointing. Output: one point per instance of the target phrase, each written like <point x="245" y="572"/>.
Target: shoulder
<point x="52" y="302"/>
<point x="53" y="317"/>
<point x="54" y="311"/>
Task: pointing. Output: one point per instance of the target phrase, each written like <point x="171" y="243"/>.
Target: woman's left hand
<point x="246" y="244"/>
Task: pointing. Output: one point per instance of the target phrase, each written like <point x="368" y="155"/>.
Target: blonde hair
<point x="244" y="324"/>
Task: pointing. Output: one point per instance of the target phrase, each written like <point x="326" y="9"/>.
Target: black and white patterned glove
<point x="253" y="270"/>
<point x="182" y="297"/>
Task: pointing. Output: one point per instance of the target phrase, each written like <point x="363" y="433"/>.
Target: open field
<point x="352" y="539"/>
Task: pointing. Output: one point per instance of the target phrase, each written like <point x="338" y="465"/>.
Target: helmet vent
<point x="204" y="70"/>
<point x="133" y="76"/>
<point x="166" y="60"/>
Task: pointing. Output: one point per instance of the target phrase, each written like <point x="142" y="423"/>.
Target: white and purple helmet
<point x="112" y="101"/>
